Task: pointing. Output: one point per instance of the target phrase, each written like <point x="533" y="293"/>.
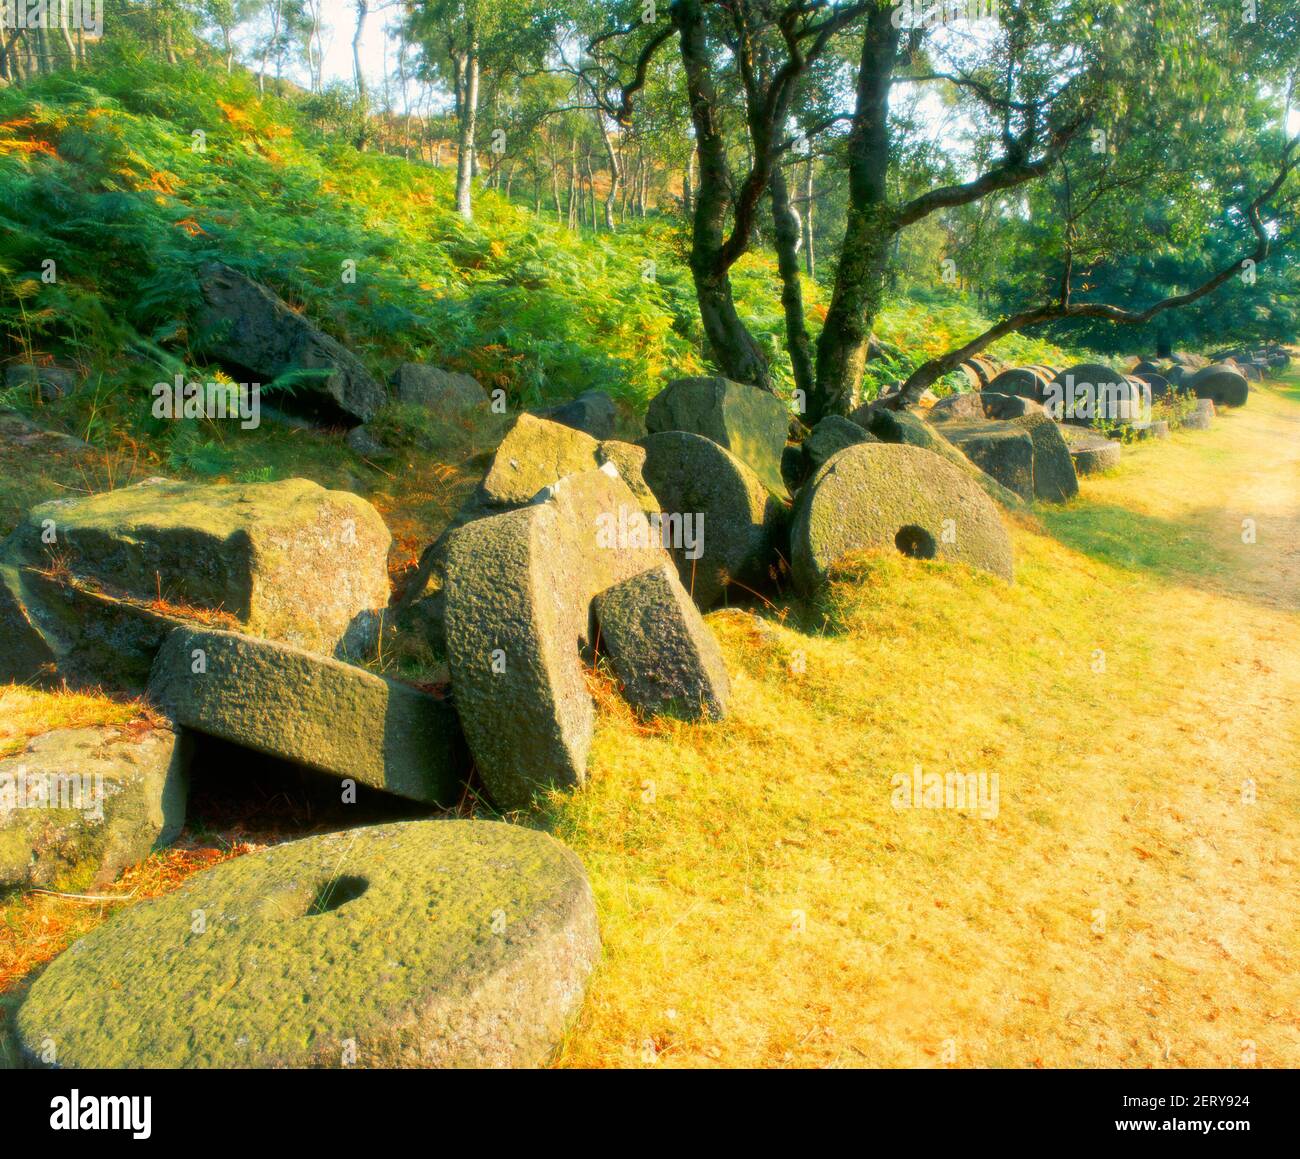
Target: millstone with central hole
<point x="899" y="498"/>
<point x="423" y="944"/>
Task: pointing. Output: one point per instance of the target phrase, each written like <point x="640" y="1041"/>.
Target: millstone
<point x="894" y="497"/>
<point x="424" y="944"/>
<point x="661" y="648"/>
<point x="832" y="434"/>
<point x="1090" y="452"/>
<point x="750" y="423"/>
<point x="518" y="591"/>
<point x="313" y="710"/>
<point x="695" y="478"/>
<point x="1221" y="384"/>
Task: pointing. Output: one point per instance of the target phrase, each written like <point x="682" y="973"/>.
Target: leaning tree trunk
<point x="729" y="342"/>
<point x="864" y="254"/>
<point x="787" y="257"/>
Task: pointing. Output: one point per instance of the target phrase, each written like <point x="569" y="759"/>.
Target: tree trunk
<point x="787" y="257"/>
<point x="810" y="263"/>
<point x="870" y="226"/>
<point x="729" y="343"/>
<point x="468" y="127"/>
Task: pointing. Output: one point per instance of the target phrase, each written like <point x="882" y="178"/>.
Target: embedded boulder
<point x="592" y="412"/>
<point x="421" y="944"/>
<point x="90" y="586"/>
<point x="893" y="497"/>
<point x="49" y="382"/>
<point x="729" y="521"/>
<point x="244" y="324"/>
<point x="750" y="423"/>
<point x="312" y="710"/>
<point x="662" y="650"/>
<point x="444" y="392"/>
<point x="79" y="805"/>
<point x="1221" y="385"/>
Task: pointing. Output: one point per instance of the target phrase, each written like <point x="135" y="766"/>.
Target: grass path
<point x="1134" y="902"/>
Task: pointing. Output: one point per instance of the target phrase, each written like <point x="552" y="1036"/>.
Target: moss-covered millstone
<point x="518" y="589"/>
<point x="290" y="561"/>
<point x="1000" y="450"/>
<point x="313" y="710"/>
<point x="829" y="437"/>
<point x="750" y="423"/>
<point x="423" y="944"/>
<point x="661" y="648"/>
<point x="1221" y="384"/>
<point x="82" y="804"/>
<point x="893" y="497"/>
<point x="736" y="519"/>
<point x="1090" y="452"/>
<point x="908" y="428"/>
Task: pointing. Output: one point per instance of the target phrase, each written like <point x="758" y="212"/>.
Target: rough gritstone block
<point x="735" y="519"/>
<point x="518" y="589"/>
<point x="1091" y="453"/>
<point x="310" y="709"/>
<point x="244" y="323"/>
<point x="290" y="561"/>
<point x="79" y="805"/>
<point x="423" y="944"/>
<point x="894" y="497"/>
<point x="661" y="648"/>
<point x="750" y="423"/>
<point x="535" y="453"/>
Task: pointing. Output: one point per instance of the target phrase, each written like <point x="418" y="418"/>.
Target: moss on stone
<point x="425" y="944"/>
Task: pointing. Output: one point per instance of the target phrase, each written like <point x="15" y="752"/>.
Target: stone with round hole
<point x="894" y="497"/>
<point x="418" y="944"/>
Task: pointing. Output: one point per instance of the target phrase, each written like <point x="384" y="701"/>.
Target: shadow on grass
<point x="1197" y="550"/>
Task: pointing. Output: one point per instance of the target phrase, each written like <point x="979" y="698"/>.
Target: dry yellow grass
<point x="763" y="904"/>
<point x="28" y="712"/>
